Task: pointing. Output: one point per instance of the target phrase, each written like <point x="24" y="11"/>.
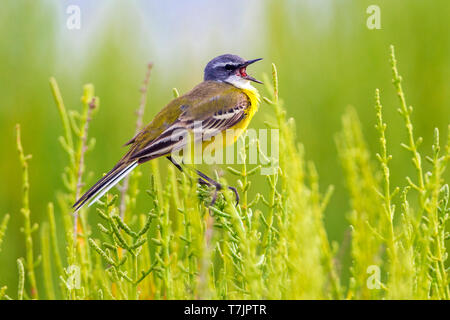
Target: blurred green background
<point x="327" y="59"/>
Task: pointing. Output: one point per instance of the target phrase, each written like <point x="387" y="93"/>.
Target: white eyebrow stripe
<point x="222" y="64"/>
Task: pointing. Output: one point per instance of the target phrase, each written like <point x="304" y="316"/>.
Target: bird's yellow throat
<point x="241" y="126"/>
<point x="254" y="96"/>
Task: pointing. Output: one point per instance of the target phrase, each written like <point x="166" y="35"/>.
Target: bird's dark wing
<point x="214" y="109"/>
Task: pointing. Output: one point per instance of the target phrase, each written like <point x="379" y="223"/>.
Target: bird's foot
<point x="217" y="187"/>
<point x="235" y="193"/>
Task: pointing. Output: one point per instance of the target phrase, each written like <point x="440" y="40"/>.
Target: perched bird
<point x="224" y="100"/>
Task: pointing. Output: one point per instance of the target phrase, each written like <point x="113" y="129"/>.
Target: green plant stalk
<point x="163" y="239"/>
<point x="199" y="248"/>
<point x="90" y="103"/>
<point x="122" y="274"/>
<point x="135" y="294"/>
<point x="73" y="176"/>
<point x="28" y="229"/>
<point x="55" y="245"/>
<point x="85" y="253"/>
<point x="424" y="188"/>
<point x="319" y="208"/>
<point x="132" y="194"/>
<point x="439" y="164"/>
<point x="157" y="179"/>
<point x="384" y="159"/>
<point x="113" y="258"/>
<point x="413" y="144"/>
<point x="64" y="117"/>
<point x="3" y="227"/>
<point x="145" y="222"/>
<point x="206" y="271"/>
<point x="407" y="249"/>
<point x="21" y="285"/>
<point x="273" y="179"/>
<point x="271" y="204"/>
<point x="364" y="216"/>
<point x="46" y="259"/>
<point x="166" y="240"/>
<point x="188" y="257"/>
<point x="3" y="295"/>
<point x="282" y="124"/>
<point x="237" y="247"/>
<point x="243" y="178"/>
<point x="69" y="178"/>
<point x="399" y="249"/>
<point x="70" y="247"/>
<point x="174" y="189"/>
<point x="54" y="238"/>
<point x="244" y="184"/>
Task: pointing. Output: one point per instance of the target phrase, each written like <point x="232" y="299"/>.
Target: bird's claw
<point x="217" y="188"/>
<point x="235" y="193"/>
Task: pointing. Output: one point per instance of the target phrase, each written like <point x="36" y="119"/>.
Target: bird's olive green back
<point x="199" y="104"/>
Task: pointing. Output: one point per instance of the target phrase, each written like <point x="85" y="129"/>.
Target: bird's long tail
<point x="105" y="184"/>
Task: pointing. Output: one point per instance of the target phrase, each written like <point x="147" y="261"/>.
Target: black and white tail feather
<point x="157" y="148"/>
<point x="104" y="185"/>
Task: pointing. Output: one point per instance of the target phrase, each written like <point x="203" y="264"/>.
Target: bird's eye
<point x="229" y="67"/>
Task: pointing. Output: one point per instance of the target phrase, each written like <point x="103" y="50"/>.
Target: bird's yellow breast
<point x="254" y="97"/>
<point x="240" y="127"/>
<point x="232" y="134"/>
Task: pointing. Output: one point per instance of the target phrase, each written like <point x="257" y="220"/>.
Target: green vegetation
<point x="327" y="59"/>
<point x="412" y="250"/>
<point x="273" y="245"/>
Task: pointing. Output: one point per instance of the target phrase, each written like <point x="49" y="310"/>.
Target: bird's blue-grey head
<point x="229" y="68"/>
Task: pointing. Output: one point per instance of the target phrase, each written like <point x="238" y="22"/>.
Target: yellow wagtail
<point x="225" y="100"/>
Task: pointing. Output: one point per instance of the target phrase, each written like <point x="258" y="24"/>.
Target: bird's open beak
<point x="249" y="62"/>
<point x="246" y="64"/>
